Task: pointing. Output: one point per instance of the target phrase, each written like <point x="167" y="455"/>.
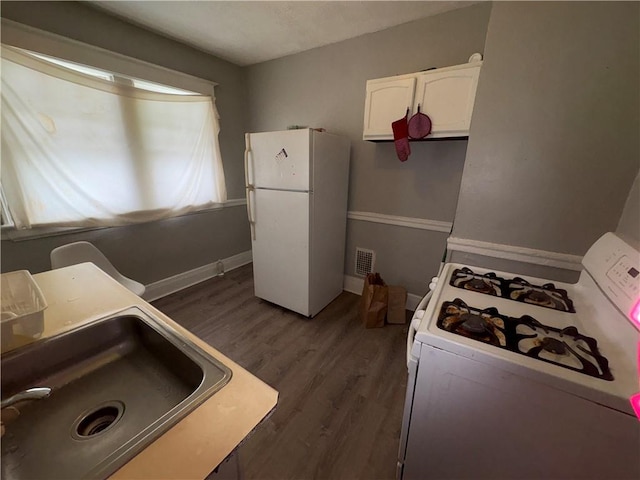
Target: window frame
<point x="6" y="221"/>
<point x="46" y="43"/>
<point x="29" y="38"/>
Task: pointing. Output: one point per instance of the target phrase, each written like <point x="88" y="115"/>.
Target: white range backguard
<point x="475" y="410"/>
<point x="297" y="183"/>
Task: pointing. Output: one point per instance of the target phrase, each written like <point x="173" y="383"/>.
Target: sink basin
<point x="118" y="384"/>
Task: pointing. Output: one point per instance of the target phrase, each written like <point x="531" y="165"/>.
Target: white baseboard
<point x="356" y="284"/>
<point x="413" y="301"/>
<point x="353" y="284"/>
<point x="515" y="253"/>
<point x="183" y="280"/>
<point x="178" y="282"/>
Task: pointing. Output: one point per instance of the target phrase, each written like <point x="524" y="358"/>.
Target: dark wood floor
<point x="341" y="386"/>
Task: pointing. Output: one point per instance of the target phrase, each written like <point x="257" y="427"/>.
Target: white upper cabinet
<point x="446" y="95"/>
<point x="388" y="99"/>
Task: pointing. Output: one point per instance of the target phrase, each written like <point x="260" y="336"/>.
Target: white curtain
<point x="83" y="151"/>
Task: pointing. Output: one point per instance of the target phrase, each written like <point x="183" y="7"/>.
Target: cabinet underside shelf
<point x="422" y="139"/>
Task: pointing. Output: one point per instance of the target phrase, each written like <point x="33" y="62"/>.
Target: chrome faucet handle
<point x="36" y="393"/>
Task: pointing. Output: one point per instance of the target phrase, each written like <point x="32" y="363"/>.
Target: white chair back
<point x="80" y="252"/>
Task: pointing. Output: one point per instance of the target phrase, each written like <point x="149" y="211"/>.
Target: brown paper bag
<point x="373" y="304"/>
<point x="396" y="305"/>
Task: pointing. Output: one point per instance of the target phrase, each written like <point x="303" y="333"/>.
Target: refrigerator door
<point x="279" y="160"/>
<point x="281" y="248"/>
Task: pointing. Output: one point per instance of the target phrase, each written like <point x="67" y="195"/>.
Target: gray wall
<point x="147" y="251"/>
<point x="552" y="153"/>
<point x="325" y="87"/>
<point x="629" y="225"/>
<point x="153" y="251"/>
<point x="554" y="141"/>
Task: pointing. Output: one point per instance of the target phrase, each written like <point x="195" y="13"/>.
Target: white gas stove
<point x="493" y="350"/>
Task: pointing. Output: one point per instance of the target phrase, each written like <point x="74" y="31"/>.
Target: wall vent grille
<point x="365" y="261"/>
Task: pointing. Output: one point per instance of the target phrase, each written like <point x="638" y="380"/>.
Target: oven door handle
<point x="413" y="328"/>
<point x="415" y="322"/>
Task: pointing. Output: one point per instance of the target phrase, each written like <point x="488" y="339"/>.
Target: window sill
<point x="13" y="234"/>
<point x="10" y="233"/>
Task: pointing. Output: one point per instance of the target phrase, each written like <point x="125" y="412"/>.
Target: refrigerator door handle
<point x="252" y="223"/>
<point x="249" y="186"/>
<point x="247" y="152"/>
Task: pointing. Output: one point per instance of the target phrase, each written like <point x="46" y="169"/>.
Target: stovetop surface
<point x="590" y="320"/>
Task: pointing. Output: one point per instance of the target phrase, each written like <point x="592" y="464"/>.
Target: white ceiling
<point x="248" y="32"/>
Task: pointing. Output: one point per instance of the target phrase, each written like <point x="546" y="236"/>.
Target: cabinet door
<point x="447" y="97"/>
<point x="387" y="100"/>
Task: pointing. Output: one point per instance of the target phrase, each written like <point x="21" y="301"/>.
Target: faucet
<point x="30" y="394"/>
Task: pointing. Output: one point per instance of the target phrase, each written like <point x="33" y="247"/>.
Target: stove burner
<point x="473" y="323"/>
<point x="488" y="284"/>
<point x="566" y="347"/>
<point x="552" y="345"/>
<point x="480" y="285"/>
<point x="546" y="295"/>
<point x="518" y="289"/>
<point x="483" y="325"/>
<point x="537" y="296"/>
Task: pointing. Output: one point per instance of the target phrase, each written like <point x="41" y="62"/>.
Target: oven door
<point x="412" y="367"/>
<point x="478" y="421"/>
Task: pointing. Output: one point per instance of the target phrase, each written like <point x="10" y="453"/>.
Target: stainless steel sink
<point x="117" y="385"/>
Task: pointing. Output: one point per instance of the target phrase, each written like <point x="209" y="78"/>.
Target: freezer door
<point x="281" y="248"/>
<point x="279" y="160"/>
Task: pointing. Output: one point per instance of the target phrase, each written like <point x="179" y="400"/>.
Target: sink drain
<point x="98" y="420"/>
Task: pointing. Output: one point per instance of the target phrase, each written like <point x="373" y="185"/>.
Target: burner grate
<point x="517" y="289"/>
<point x="566" y="348"/>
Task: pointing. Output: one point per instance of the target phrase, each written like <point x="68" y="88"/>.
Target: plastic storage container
<point x="23" y="306"/>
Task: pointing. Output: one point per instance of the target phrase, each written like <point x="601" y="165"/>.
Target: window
<point x="84" y="147"/>
<point x="5" y="217"/>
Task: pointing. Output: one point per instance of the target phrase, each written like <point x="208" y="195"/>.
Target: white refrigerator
<point x="297" y="185"/>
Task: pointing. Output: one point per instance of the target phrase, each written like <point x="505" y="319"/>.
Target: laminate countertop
<point x="197" y="444"/>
